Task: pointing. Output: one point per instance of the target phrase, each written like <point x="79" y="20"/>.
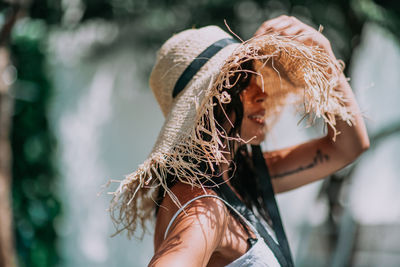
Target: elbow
<point x="352" y="150"/>
<point x="364" y="145"/>
<point x="362" y="142"/>
<point x="360" y="149"/>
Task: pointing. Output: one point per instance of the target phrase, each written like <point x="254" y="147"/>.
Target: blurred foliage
<point x="47" y="10"/>
<point x="35" y="202"/>
<point x="383" y="12"/>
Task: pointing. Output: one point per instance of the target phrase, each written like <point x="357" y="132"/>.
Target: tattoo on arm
<point x="318" y="159"/>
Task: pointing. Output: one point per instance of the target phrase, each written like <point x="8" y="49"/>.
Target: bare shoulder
<point x="185" y="193"/>
<point x="196" y="232"/>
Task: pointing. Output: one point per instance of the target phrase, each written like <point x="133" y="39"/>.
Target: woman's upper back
<point x="204" y="234"/>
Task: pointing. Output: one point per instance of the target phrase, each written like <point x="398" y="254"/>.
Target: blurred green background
<point x="83" y="113"/>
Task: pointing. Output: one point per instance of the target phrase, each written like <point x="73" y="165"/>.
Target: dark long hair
<point x="243" y="178"/>
<point x="241" y="171"/>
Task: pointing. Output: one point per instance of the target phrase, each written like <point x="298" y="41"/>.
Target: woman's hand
<point x="304" y="163"/>
<point x="291" y="26"/>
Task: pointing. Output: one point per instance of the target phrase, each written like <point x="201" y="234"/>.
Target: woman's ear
<point x="241" y="96"/>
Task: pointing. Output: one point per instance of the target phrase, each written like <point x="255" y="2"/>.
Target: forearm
<point x="301" y="164"/>
<point x="304" y="163"/>
<point x="353" y="139"/>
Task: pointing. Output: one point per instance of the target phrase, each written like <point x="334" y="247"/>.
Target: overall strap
<point x="226" y="193"/>
<point x="268" y="196"/>
<point x="242" y="218"/>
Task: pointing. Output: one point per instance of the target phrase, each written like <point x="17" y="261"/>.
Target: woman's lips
<point x="258" y="118"/>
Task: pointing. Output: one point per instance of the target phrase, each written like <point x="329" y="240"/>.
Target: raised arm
<point x="194" y="235"/>
<point x="305" y="163"/>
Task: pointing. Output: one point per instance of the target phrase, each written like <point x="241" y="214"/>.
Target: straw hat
<point x="193" y="69"/>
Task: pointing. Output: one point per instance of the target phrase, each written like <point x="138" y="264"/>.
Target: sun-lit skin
<point x="262" y="101"/>
<point x="254" y="110"/>
<point x="206" y="234"/>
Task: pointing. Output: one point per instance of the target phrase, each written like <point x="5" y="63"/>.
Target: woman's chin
<point x="255" y="139"/>
<point x="253" y="133"/>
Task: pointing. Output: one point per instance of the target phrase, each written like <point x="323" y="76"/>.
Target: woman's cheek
<point x="252" y="131"/>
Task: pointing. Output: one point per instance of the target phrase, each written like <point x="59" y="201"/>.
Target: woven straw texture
<point x="283" y="67"/>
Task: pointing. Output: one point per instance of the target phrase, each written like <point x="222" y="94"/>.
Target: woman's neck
<point x="225" y="167"/>
<point x="227" y="173"/>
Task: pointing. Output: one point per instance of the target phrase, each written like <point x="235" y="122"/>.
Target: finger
<point x="289" y="26"/>
<point x="312" y="39"/>
<point x="306" y="39"/>
<point x="293" y="30"/>
<point x="279" y="22"/>
<point x="276" y="26"/>
<point x="303" y="30"/>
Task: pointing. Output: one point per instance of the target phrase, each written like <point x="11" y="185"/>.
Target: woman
<point x="224" y="97"/>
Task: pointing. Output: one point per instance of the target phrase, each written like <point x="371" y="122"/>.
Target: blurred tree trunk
<point x="7" y="254"/>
